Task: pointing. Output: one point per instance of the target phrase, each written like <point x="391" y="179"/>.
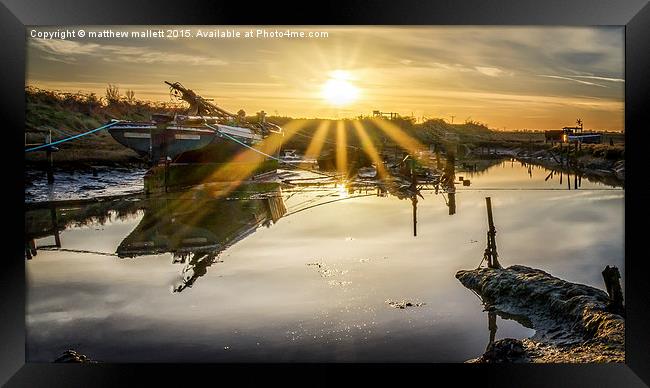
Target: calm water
<point x="245" y="284"/>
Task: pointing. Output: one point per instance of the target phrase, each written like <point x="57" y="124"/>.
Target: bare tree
<point x="112" y="94"/>
<point x="130" y="96"/>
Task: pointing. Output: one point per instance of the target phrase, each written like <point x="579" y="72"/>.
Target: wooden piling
<point x="55" y="227"/>
<point x="50" y="159"/>
<point x="492" y="325"/>
<point x="414" y="200"/>
<point x="491" y="250"/>
<point x="612" y="278"/>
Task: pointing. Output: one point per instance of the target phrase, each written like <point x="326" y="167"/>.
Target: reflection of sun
<point x="338" y="90"/>
<point x="343" y="191"/>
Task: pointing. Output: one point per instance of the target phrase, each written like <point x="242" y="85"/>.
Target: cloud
<point x="490" y="71"/>
<point x="572" y="79"/>
<point x="69" y="52"/>
<point x="600" y="78"/>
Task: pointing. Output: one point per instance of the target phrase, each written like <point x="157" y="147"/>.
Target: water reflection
<point x="361" y="234"/>
<point x="49" y="219"/>
<point x="196" y="227"/>
<point x="198" y="221"/>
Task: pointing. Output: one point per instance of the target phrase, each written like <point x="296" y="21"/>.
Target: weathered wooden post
<point x="55" y="227"/>
<point x="612" y="277"/>
<point x="414" y="202"/>
<point x="50" y="159"/>
<point x="166" y="173"/>
<point x="491" y="250"/>
<point x="492" y="325"/>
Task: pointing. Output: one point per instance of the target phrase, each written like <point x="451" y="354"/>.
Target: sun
<point x="338" y="90"/>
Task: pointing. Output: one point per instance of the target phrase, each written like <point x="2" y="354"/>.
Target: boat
<point x="206" y="134"/>
<point x="367" y="172"/>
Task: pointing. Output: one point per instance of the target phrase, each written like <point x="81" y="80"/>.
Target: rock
<point x="505" y="350"/>
<point x="571" y="320"/>
<point x="403" y="304"/>
<point x="71" y="356"/>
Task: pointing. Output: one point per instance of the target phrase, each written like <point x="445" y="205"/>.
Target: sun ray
<point x="242" y="165"/>
<point x="370" y="150"/>
<point x="317" y="141"/>
<point x="341" y="148"/>
<point x="400" y="137"/>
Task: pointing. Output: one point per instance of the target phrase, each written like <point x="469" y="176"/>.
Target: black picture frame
<point x="633" y="14"/>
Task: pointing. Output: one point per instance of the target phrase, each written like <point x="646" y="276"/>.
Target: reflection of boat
<point x="195" y="230"/>
<point x="187" y="138"/>
<point x="186" y="224"/>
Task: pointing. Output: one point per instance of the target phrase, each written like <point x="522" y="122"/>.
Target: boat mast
<point x="201" y="106"/>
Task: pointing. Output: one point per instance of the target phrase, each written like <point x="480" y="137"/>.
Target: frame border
<point x="634" y="14"/>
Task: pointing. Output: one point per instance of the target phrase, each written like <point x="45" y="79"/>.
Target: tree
<point x="130" y="96"/>
<point x="112" y="94"/>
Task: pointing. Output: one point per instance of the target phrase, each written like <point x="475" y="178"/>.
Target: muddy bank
<point x="597" y="168"/>
<point x="609" y="171"/>
<point x="571" y="321"/>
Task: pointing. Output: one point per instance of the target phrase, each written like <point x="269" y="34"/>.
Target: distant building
<point x="572" y="134"/>
<point x="388" y="115"/>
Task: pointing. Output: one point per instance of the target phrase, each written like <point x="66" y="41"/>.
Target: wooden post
<point x="50" y="159"/>
<point x="166" y="174"/>
<point x="492" y="325"/>
<point x="612" y="277"/>
<point x="55" y="227"/>
<point x="491" y="250"/>
<point x="414" y="201"/>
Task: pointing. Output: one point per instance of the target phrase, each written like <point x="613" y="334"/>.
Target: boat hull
<point x="184" y="144"/>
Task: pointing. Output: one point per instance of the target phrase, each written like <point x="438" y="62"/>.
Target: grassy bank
<point x="67" y="114"/>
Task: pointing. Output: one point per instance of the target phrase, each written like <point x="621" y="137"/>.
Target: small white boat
<point x="367" y="172"/>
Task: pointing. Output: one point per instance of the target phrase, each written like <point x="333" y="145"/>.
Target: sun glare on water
<point x="338" y="90"/>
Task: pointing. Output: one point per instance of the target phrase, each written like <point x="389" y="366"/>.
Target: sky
<point x="506" y="77"/>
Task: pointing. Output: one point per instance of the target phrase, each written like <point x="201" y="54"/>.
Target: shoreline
<point x="572" y="321"/>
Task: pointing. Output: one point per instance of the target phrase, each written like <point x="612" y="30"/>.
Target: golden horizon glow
<point x="512" y="78"/>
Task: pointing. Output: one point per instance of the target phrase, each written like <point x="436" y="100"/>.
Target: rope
<point x="325" y="203"/>
<point x="265" y="154"/>
<point x="75" y="251"/>
<point x="46" y="145"/>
